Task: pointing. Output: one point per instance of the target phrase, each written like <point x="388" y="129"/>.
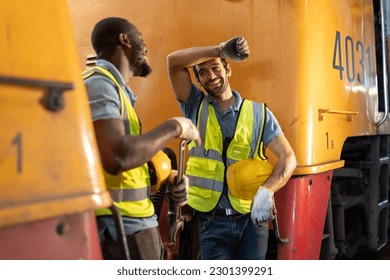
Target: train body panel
<point x="302" y="206"/>
<point x="290" y="67"/>
<point x="69" y="237"/>
<point x="49" y="165"/>
<point x="332" y="106"/>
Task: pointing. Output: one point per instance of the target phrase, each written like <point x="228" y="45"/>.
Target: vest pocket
<point x="238" y="152"/>
<point x="203" y="168"/>
<point x="202" y="176"/>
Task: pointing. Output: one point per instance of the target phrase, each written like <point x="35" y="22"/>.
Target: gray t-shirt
<point x="103" y="94"/>
<point x="105" y="104"/>
<point x="227" y="121"/>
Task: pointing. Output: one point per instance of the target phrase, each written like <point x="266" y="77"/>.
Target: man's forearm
<point x="190" y="57"/>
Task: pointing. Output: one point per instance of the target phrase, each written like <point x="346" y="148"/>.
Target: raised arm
<point x="179" y="61"/>
<point x="178" y="64"/>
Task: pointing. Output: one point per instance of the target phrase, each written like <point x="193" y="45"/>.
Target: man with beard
<point x="232" y="130"/>
<point x="124" y="151"/>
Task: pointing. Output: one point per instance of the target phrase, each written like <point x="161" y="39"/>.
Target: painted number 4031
<point x="344" y="53"/>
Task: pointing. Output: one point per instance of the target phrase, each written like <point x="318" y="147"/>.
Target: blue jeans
<point x="231" y="238"/>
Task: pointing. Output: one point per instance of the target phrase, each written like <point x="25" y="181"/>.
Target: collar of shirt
<point x="131" y="94"/>
<point x="118" y="76"/>
<point x="235" y="107"/>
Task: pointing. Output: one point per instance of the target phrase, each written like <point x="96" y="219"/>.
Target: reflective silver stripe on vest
<point x="123" y="195"/>
<point x="260" y="126"/>
<point x="203" y="153"/>
<point x="209" y="184"/>
<point x="256" y="127"/>
<point x="204" y="115"/>
<point x="126" y="121"/>
<point x="97" y="69"/>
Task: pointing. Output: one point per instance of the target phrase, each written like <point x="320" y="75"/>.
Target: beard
<point x="216" y="91"/>
<point x="139" y="65"/>
<point x="142" y="70"/>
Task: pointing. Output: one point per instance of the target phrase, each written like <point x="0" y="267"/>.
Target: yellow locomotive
<point x="320" y="65"/>
<point x="50" y="174"/>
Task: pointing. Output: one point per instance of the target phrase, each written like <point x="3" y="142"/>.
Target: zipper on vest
<point x="226" y="143"/>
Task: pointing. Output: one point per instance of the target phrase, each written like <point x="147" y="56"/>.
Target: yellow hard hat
<point x="159" y="170"/>
<point x="246" y="176"/>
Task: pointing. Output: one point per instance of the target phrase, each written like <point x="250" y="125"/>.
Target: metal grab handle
<point x="384" y="65"/>
<point x="349" y="114"/>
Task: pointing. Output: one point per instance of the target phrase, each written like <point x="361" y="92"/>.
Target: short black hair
<point x="224" y="63"/>
<point x="105" y="34"/>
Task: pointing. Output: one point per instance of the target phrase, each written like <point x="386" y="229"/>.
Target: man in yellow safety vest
<point x="232" y="130"/>
<point x="124" y="151"/>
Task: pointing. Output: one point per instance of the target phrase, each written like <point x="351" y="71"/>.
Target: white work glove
<point x="236" y="48"/>
<point x="262" y="208"/>
<point x="188" y="130"/>
<point x="179" y="192"/>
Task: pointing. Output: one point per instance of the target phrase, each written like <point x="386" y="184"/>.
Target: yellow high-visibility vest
<point x="130" y="190"/>
<point x="206" y="165"/>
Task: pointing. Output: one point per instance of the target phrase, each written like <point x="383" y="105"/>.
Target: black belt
<point x="220" y="212"/>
